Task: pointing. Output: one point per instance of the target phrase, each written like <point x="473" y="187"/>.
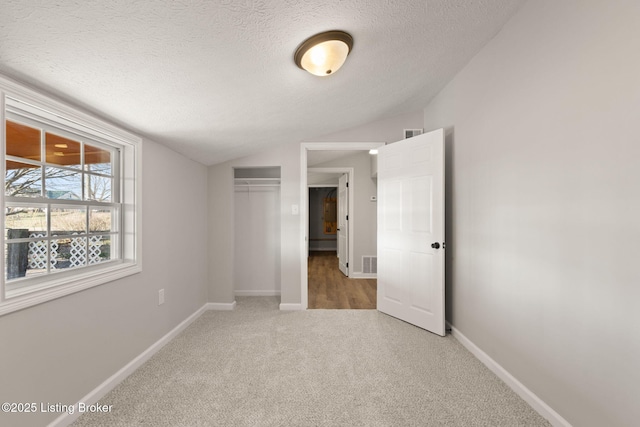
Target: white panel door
<point x="411" y="231"/>
<point x="343" y="225"/>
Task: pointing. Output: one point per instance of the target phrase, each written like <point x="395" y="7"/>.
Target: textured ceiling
<point x="216" y="80"/>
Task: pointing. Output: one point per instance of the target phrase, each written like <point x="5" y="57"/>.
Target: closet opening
<point x="257" y="231"/>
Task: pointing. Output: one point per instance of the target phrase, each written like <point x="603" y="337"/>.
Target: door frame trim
<point x="304" y="203"/>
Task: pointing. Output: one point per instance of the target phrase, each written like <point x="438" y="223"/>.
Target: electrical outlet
<point x="161" y="297"/>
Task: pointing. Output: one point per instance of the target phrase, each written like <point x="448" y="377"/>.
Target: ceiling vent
<point x="408" y="133"/>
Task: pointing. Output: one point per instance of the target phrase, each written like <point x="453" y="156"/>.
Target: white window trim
<point x="131" y="183"/>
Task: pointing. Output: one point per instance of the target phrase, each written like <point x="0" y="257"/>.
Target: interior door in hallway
<point x="411" y="231"/>
<point x="343" y="224"/>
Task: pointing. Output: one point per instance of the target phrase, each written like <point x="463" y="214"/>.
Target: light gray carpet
<point x="257" y="366"/>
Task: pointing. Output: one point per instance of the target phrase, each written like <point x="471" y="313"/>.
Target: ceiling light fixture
<point x="324" y="53"/>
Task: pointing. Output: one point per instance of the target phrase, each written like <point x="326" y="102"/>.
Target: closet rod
<point x="257" y="185"/>
<point x="257" y="179"/>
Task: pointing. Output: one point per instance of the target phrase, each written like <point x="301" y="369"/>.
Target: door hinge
<point x="347" y="265"/>
<point x="347" y="217"/>
<point x="347" y="185"/>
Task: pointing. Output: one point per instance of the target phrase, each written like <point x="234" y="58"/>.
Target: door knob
<point x="435" y="245"/>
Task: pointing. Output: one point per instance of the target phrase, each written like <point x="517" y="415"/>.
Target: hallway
<point x="330" y="289"/>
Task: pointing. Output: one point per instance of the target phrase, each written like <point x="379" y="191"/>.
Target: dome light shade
<point x="324" y="53"/>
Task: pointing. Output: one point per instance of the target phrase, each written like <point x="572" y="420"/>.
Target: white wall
<point x="221" y="218"/>
<point x="221" y="234"/>
<point x="59" y="351"/>
<point x="287" y="156"/>
<point x="543" y="205"/>
<point x="384" y="130"/>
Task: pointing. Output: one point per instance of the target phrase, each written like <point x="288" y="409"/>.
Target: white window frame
<point x="52" y="286"/>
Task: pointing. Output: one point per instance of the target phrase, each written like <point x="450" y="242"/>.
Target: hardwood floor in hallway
<point x="330" y="289"/>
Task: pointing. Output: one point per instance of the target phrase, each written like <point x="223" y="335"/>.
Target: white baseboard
<point x="272" y="293"/>
<point x="109" y="384"/>
<point x="291" y="307"/>
<point x="521" y="390"/>
<point x="220" y="306"/>
<point x="360" y="275"/>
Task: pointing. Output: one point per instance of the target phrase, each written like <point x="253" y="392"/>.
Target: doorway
<point x="321" y="264"/>
<point x="329" y="284"/>
<point x="257" y="231"/>
<point x="323" y="218"/>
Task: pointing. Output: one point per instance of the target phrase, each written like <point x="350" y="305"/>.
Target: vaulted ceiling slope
<point x="215" y="80"/>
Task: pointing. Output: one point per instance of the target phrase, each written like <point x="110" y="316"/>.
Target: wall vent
<point x="370" y="265"/>
<point x="408" y="133"/>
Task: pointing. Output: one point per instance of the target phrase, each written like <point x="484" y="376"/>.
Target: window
<point x="70" y="211"/>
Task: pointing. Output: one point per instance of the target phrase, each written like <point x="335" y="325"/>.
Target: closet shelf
<point x="256" y="182"/>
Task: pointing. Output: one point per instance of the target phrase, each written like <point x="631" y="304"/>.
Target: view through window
<point x="69" y="202"/>
<point x="60" y="208"/>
